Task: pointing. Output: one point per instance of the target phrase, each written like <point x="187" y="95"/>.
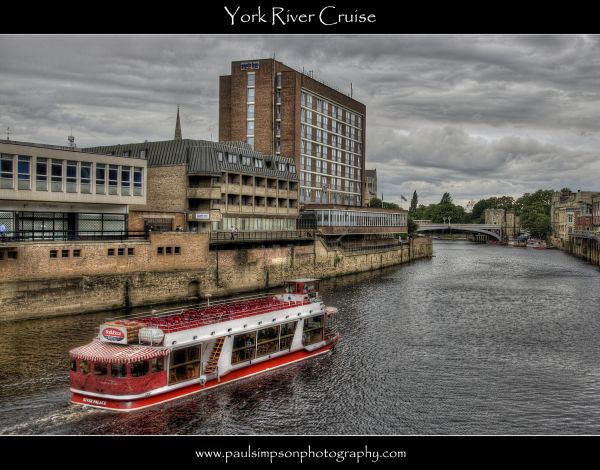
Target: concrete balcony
<point x="204" y="193"/>
<point x="234" y="188"/>
<point x="260" y="191"/>
<point x="283" y="193"/>
<point x="247" y="190"/>
<point x="272" y="210"/>
<point x="247" y="209"/>
<point x="271" y="192"/>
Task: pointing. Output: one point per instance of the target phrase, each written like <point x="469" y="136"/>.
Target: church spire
<point x="178" y="126"/>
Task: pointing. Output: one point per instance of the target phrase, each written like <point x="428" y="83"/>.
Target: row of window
<point x="323" y="123"/>
<point x="135" y="369"/>
<point x="121" y="251"/>
<point x="251" y="96"/>
<point x="65" y="253"/>
<point x="341" y="218"/>
<point x="253" y="161"/>
<point x="336" y="141"/>
<point x="8" y="255"/>
<point x="330" y="197"/>
<point x="168" y="250"/>
<point x="328" y="183"/>
<point x="337" y="112"/>
<point x="255" y="224"/>
<point x="329" y="153"/>
<point x="69" y="176"/>
<point x="249" y="346"/>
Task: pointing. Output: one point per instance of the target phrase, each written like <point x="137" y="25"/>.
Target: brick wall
<point x="197" y="273"/>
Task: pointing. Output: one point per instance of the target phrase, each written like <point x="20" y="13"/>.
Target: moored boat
<point x="139" y="361"/>
<point x="536" y="244"/>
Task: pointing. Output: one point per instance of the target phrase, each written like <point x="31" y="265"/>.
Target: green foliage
<point x="375" y="202"/>
<point x="502" y="202"/>
<point x="390" y="205"/>
<point x="412" y="226"/>
<point x="446" y="199"/>
<point x="534" y="210"/>
<point x="437" y="212"/>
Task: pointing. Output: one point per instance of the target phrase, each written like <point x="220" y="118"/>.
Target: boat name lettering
<point x="92" y="401"/>
<point x="113" y="334"/>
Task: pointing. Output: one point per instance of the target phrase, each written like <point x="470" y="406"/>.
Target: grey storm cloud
<point x="472" y="115"/>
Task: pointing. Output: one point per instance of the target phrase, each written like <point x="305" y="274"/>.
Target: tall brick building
<point x="280" y="111"/>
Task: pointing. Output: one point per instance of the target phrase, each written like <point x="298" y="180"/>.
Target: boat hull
<point x="126" y="405"/>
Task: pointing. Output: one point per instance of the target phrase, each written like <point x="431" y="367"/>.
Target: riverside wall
<point x="33" y="290"/>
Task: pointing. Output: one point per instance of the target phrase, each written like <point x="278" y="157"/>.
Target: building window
<point x="251" y="79"/>
<point x="100" y="179"/>
<point x="130" y="251"/>
<point x="250" y="111"/>
<point x="169" y="250"/>
<point x="251" y="95"/>
<point x="121" y="251"/>
<point x="76" y="253"/>
<point x="86" y="177"/>
<point x="232" y="158"/>
<point x="71" y="176"/>
<point x="41" y="174"/>
<point x="125" y="181"/>
<point x="177" y="250"/>
<point x="6" y="171"/>
<point x="220" y="156"/>
<point x="57" y="175"/>
<point x="53" y="253"/>
<point x="159" y="250"/>
<point x="137" y="181"/>
<point x="111" y="252"/>
<point x="113" y="180"/>
<point x="143" y="153"/>
<point x="65" y="253"/>
<point x="24" y="172"/>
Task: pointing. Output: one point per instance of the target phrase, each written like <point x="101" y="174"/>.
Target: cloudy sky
<point x="475" y="116"/>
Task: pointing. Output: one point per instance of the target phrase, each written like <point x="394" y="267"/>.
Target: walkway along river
<point x="479" y="339"/>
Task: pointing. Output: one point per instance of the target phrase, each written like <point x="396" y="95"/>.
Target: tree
<point x="390" y="205"/>
<point x="412" y="225"/>
<point x="413" y="203"/>
<point x="375" y="202"/>
<point x="446" y="199"/>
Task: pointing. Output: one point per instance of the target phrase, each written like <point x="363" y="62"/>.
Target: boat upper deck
<point x="185" y="318"/>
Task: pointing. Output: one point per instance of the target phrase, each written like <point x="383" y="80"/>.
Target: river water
<point x="480" y="339"/>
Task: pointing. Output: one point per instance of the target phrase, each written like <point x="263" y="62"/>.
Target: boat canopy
<point x="99" y="351"/>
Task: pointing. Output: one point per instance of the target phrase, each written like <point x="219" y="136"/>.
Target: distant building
<point x="50" y="192"/>
<point x="510" y="223"/>
<point x="371" y="179"/>
<point x="213" y="186"/>
<point x="278" y="110"/>
<point x="566" y="207"/>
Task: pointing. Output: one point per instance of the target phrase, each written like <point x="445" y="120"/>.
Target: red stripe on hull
<point x="131" y="405"/>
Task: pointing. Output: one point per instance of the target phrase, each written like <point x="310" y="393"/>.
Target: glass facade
<point x="331" y="152"/>
<point x="71" y="176"/>
<point x="342" y="218"/>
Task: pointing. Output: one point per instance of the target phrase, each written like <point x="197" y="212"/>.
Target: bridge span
<point x="492" y="230"/>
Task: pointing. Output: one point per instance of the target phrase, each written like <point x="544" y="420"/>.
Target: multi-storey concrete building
<point x="204" y="186"/>
<point x="281" y="111"/>
<point x="61" y="193"/>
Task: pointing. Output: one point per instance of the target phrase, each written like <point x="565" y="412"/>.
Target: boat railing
<point x="178" y="310"/>
<point x="183" y="318"/>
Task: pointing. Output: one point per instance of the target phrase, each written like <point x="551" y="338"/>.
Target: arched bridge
<point x="486" y="229"/>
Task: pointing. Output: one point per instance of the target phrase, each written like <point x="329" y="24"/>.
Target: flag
<point x="403" y="198"/>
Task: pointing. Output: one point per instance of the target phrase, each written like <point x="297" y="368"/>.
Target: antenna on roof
<point x="350" y="89"/>
<point x="8" y="133"/>
<point x="71" y="140"/>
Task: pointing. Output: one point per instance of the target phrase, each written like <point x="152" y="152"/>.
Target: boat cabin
<point x="303" y="287"/>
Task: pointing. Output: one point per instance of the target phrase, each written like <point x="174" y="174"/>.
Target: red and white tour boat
<point x="141" y="360"/>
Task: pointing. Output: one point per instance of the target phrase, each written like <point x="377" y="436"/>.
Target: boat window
<point x="287" y="335"/>
<point x="313" y="330"/>
<point x="184" y="364"/>
<point x="244" y="348"/>
<point x="100" y="368"/>
<point x="84" y="367"/>
<point x="268" y="341"/>
<point x="158" y="364"/>
<point x="73" y="365"/>
<point x="118" y="370"/>
<point x="139" y="369"/>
